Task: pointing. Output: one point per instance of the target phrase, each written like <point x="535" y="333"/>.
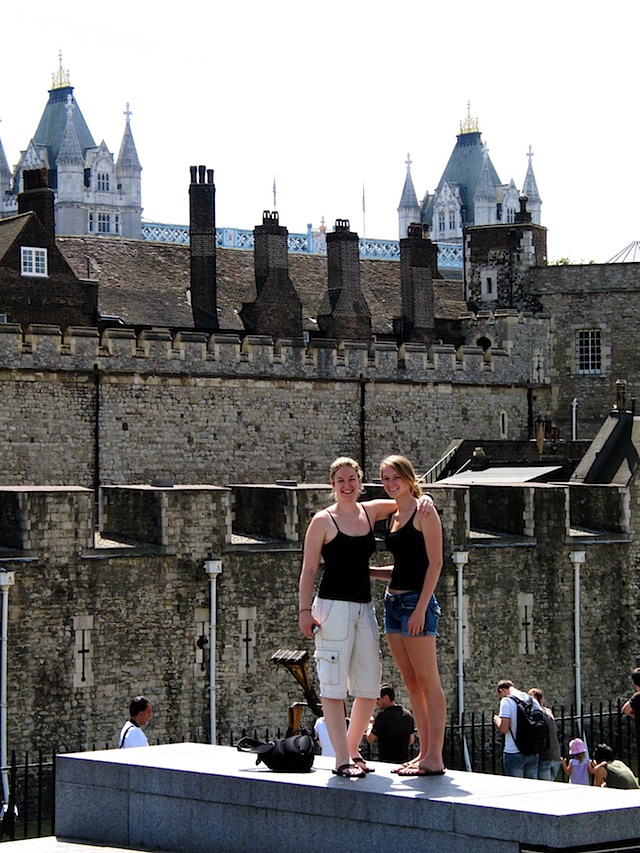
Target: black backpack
<point x="532" y="731"/>
<point x="293" y="754"/>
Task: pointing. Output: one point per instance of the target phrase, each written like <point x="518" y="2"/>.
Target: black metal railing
<point x="472" y="743"/>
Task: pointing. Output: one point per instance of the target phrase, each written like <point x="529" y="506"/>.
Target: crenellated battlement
<point x="199" y="353"/>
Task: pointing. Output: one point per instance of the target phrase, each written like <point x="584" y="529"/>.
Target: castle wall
<point x="590" y="296"/>
<point x="212" y="408"/>
<point x="91" y="626"/>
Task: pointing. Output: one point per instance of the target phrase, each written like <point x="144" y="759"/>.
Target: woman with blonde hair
<point x="412" y="611"/>
<point x="342" y="614"/>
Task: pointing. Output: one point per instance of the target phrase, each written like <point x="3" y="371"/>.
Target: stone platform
<point x="194" y="798"/>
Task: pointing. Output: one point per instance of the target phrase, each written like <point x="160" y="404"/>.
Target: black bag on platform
<point x="293" y="754"/>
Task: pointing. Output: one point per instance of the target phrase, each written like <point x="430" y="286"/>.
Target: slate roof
<point x="10" y="230"/>
<point x="146" y="283"/>
<point x="463" y="170"/>
<point x="53" y="122"/>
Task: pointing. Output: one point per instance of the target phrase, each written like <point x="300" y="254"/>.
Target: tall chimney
<point x="344" y="313"/>
<point x="277" y="309"/>
<point x="39" y="198"/>
<point x="418" y="269"/>
<point x="202" y="244"/>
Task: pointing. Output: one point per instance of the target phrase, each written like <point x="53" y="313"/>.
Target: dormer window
<point x="33" y="261"/>
<point x="103" y="182"/>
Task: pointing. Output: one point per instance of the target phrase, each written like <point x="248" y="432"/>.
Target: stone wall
<point x="90" y="625"/>
<point x="197" y="408"/>
<point x="590" y="296"/>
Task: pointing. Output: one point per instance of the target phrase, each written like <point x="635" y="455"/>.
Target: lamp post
<point x="213" y="568"/>
<point x="577" y="558"/>
<point x="7" y="579"/>
<point x="460" y="559"/>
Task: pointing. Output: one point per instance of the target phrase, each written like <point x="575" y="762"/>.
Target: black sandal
<point x="344" y="772"/>
<point x="359" y="760"/>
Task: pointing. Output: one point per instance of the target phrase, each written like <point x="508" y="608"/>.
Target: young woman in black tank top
<point x="342" y="535"/>
<point x="412" y="611"/>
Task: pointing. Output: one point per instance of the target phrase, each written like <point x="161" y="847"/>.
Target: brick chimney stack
<point x="39" y="198"/>
<point x="277" y="310"/>
<point x="418" y="269"/>
<point x="344" y="313"/>
<point x="202" y="244"/>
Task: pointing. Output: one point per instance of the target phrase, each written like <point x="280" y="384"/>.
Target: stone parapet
<point x="194" y="353"/>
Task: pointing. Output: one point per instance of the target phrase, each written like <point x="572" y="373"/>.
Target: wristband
<point x="305" y="610"/>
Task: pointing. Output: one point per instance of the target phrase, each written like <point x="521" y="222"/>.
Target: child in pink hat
<point x="578" y="768"/>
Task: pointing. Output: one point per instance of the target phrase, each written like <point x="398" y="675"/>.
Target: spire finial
<point x="408" y="162"/>
<point x="127" y="113"/>
<point x="530" y="154"/>
<point x="69" y="106"/>
<point x="469" y="125"/>
<point x="60" y="79"/>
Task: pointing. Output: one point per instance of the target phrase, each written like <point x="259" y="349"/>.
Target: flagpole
<point x="364" y="223"/>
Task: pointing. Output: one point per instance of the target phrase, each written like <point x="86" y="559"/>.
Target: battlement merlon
<point x="56" y="523"/>
<point x="198" y="353"/>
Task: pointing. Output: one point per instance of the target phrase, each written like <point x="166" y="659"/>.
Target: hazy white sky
<point x="330" y="97"/>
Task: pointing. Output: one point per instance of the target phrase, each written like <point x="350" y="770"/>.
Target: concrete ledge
<point x="196" y="797"/>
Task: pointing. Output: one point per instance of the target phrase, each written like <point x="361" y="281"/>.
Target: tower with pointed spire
<point x="469" y="192"/>
<point x="92" y="193"/>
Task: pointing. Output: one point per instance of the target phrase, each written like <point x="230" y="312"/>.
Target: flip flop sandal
<point x="418" y="770"/>
<point x="345" y="772"/>
<point x="359" y="760"/>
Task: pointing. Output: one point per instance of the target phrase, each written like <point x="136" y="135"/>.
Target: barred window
<point x="588" y="351"/>
<point x="33" y="261"/>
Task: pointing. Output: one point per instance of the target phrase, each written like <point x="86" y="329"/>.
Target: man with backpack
<point x="522" y="722"/>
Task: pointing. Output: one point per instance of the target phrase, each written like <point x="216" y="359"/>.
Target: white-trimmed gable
<point x="447" y="218"/>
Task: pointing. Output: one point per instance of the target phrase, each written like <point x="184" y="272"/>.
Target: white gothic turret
<point x="408" y="209"/>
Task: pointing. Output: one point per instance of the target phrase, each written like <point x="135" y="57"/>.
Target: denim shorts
<point x="398" y="607"/>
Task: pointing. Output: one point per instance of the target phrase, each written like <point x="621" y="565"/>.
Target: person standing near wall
<point x="516" y="763"/>
<point x="347" y="637"/>
<point x="632" y="707"/>
<point x="549" y="760"/>
<point x="412" y="612"/>
<point x="131" y="734"/>
<point x="578" y="767"/>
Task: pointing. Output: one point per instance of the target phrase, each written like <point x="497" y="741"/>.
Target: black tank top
<point x="410" y="561"/>
<point x="346" y="566"/>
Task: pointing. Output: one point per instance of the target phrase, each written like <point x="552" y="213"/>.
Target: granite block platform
<point x="195" y="797"/>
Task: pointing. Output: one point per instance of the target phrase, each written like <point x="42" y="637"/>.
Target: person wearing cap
<point x="515" y="763"/>
<point x="578" y="768"/>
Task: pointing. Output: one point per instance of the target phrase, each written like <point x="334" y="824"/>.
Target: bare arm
<point x="600" y="775"/>
<point x="382" y="508"/>
<point x="431" y="529"/>
<point x="380" y="573"/>
<point x="313" y="543"/>
<point x="502" y="723"/>
<point x="628" y="710"/>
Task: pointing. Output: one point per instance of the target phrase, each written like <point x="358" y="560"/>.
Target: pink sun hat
<point x="576" y="746"/>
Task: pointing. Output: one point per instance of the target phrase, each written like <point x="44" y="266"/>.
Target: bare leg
<point x="333" y="710"/>
<point x="416" y="659"/>
<point x="361" y="712"/>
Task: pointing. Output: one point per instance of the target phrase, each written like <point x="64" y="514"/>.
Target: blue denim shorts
<point x="399" y="606"/>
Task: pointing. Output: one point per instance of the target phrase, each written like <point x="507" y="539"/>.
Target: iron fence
<point x="471" y="743"/>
